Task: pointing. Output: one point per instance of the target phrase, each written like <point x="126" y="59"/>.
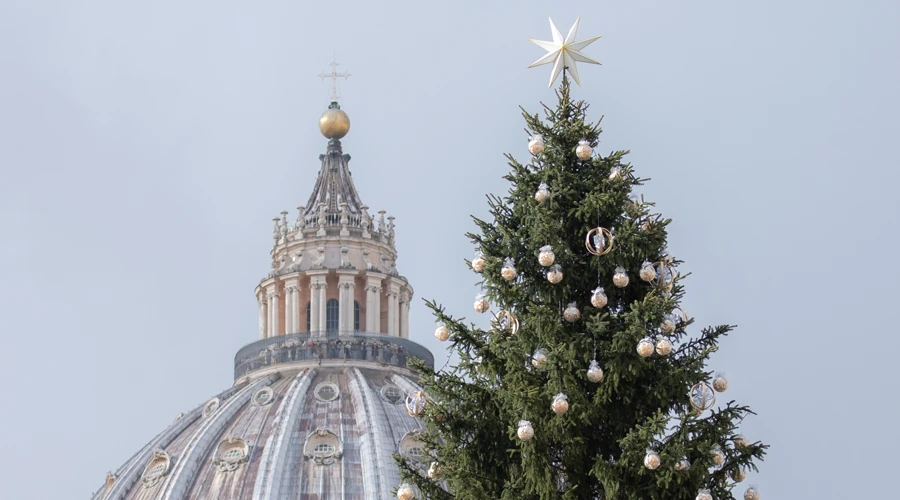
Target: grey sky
<point x="145" y="147"/>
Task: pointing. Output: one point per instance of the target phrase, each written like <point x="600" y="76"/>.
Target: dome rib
<point x="370" y="447"/>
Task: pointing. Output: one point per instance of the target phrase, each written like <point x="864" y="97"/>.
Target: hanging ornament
<point x="615" y="173"/>
<point x="682" y="464"/>
<point x="560" y="404"/>
<point x="647" y="273"/>
<point x="583" y="151"/>
<point x="554" y="274"/>
<point x="478" y="262"/>
<point x="542" y="193"/>
<point x="620" y="279"/>
<point x="536" y="145"/>
<point x="434" y="471"/>
<point x="741" y="442"/>
<point x="702" y="396"/>
<point x="571" y="314"/>
<point x="739" y="475"/>
<point x="646" y="226"/>
<point x="546" y="256"/>
<point x="665" y="274"/>
<point x="704" y="495"/>
<point x="481" y="303"/>
<point x="599" y="241"/>
<point x="442" y="333"/>
<point x="645" y="347"/>
<point x="651" y="460"/>
<point x="594" y="372"/>
<point x="505" y="320"/>
<point x="415" y="403"/>
<point x="720" y="383"/>
<point x="525" y="431"/>
<point x="717" y="456"/>
<point x="751" y="494"/>
<point x="509" y="270"/>
<point x="663" y="346"/>
<point x="599" y="299"/>
<point x="539" y="359"/>
<point x="668" y="324"/>
<point x="406" y="492"/>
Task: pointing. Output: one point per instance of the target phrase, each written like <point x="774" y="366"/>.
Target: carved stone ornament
<point x="323" y="447"/>
<point x="211" y="407"/>
<point x="156" y="469"/>
<point x="231" y="454"/>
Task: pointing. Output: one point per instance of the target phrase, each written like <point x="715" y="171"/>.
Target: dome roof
<point x="327" y="431"/>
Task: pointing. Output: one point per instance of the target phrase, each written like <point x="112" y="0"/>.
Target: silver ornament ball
<point x="583" y="151"/>
<point x="536" y="145"/>
<point x="442" y="333"/>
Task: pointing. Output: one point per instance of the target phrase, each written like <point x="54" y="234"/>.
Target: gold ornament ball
<point x="546" y="257"/>
<point x="683" y="464"/>
<point x="739" y="475"/>
<point x="646" y="226"/>
<point x="560" y="404"/>
<point x="740" y="441"/>
<point x="555" y="275"/>
<point x="720" y="384"/>
<point x="542" y="194"/>
<point x="667" y="326"/>
<point x="599" y="299"/>
<point x="539" y="358"/>
<point x="508" y="273"/>
<point x="536" y="145"/>
<point x="571" y="314"/>
<point x="334" y="123"/>
<point x="478" y="264"/>
<point x="583" y="151"/>
<point x="751" y="494"/>
<point x="663" y="347"/>
<point x="525" y="431"/>
<point x="647" y="273"/>
<point x="406" y="492"/>
<point x="651" y="461"/>
<point x="442" y="333"/>
<point x="717" y="456"/>
<point x="645" y="348"/>
<point x="415" y="403"/>
<point x="481" y="305"/>
<point x="434" y="471"/>
<point x="594" y="373"/>
<point x="620" y="279"/>
<point x="704" y="495"/>
<point x="702" y="395"/>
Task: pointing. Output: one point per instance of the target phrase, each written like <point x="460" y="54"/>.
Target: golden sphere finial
<point x="334" y="122"/>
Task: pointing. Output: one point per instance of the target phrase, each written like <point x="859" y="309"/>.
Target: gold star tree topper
<point x="564" y="53"/>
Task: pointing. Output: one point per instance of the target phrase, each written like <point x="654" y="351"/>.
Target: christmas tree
<point x="591" y="382"/>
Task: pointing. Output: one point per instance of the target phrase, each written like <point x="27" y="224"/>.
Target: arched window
<point x="307" y="317"/>
<point x="355" y="316"/>
<point x="332" y="310"/>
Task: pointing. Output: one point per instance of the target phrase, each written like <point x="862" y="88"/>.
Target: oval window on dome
<point x="156" y="468"/>
<point x="392" y="394"/>
<point x="263" y="396"/>
<point x="231" y="453"/>
<point x="210" y="407"/>
<point x="327" y="391"/>
<point x="322" y="447"/>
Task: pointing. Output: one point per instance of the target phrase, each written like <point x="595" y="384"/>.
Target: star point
<point x="563" y="53"/>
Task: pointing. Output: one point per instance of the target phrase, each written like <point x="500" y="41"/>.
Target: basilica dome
<point x="318" y="403"/>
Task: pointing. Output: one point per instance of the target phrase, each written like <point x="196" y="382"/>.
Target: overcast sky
<point x="145" y="147"/>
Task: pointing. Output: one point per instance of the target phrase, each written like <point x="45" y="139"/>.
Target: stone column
<point x="393" y="308"/>
<point x="273" y="323"/>
<point x="288" y="313"/>
<point x="373" y="302"/>
<point x="346" y="284"/>
<point x="351" y="299"/>
<point x="342" y="306"/>
<point x="323" y="300"/>
<point x="313" y="304"/>
<point x="295" y="307"/>
<point x="404" y="314"/>
<point x="262" y="315"/>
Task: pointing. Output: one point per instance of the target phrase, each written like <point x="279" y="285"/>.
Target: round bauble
<point x="583" y="151"/>
<point x="442" y="333"/>
<point x="478" y="262"/>
<point x="546" y="256"/>
<point x="620" y="278"/>
<point x="406" y="492"/>
<point x="598" y="298"/>
<point x="663" y="347"/>
<point x="525" y="430"/>
<point x="667" y="326"/>
<point x="543" y="193"/>
<point x="554" y="274"/>
<point x="434" y="471"/>
<point x="536" y="145"/>
<point x="505" y="320"/>
<point x="415" y="403"/>
<point x="645" y="347"/>
<point x="702" y="396"/>
<point x="481" y="304"/>
<point x="682" y="464"/>
<point x="704" y="495"/>
<point x="739" y="475"/>
<point x="651" y="460"/>
<point x="751" y="494"/>
<point x="560" y="404"/>
<point x="720" y="383"/>
<point x="508" y="271"/>
<point x="648" y="273"/>
<point x="539" y="359"/>
<point x="571" y="313"/>
<point x="740" y="441"/>
<point x="594" y="372"/>
<point x="717" y="456"/>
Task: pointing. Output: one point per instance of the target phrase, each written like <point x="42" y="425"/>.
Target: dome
<point x="334" y="122"/>
<point x="312" y="419"/>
